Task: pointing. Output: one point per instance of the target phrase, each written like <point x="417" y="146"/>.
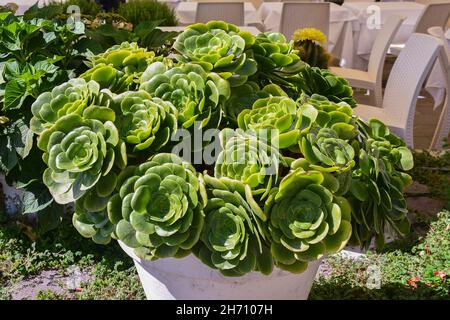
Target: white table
<point x="342" y="25"/>
<point x="254" y="31"/>
<point x="23" y="5"/>
<point x="171" y="3"/>
<point x="436" y="84"/>
<point x="186" y="13"/>
<point x="366" y="11"/>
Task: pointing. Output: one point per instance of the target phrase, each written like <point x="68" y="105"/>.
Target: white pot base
<point x="189" y="279"/>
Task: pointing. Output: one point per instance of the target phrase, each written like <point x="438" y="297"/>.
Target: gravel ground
<point x="28" y="289"/>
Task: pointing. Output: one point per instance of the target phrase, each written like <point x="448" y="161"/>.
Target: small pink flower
<point x="413" y="281"/>
<point x="441" y="274"/>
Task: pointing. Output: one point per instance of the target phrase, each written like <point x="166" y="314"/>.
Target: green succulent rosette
<point x="75" y="96"/>
<point x="109" y="77"/>
<point x="313" y="80"/>
<point x="281" y="115"/>
<point x="90" y="216"/>
<point x="327" y="152"/>
<point x="336" y="116"/>
<point x="306" y="220"/>
<point x="78" y="152"/>
<point x="144" y="121"/>
<point x="119" y="68"/>
<point x="241" y="98"/>
<point x="198" y="95"/>
<point x="219" y="47"/>
<point x="244" y="96"/>
<point x="379" y="140"/>
<point x="276" y="58"/>
<point x="234" y="238"/>
<point x="377" y="185"/>
<point x="158" y="210"/>
<point x="127" y="57"/>
<point x="250" y="159"/>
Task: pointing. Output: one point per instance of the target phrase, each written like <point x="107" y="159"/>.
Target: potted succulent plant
<point x="289" y="183"/>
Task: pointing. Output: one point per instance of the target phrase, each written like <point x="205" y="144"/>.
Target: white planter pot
<point x="12" y="197"/>
<point x="189" y="279"/>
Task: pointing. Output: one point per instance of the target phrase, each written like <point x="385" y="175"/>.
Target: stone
<point x="425" y="205"/>
<point x="417" y="188"/>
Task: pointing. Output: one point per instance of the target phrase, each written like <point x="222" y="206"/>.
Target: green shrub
<point x="138" y="11"/>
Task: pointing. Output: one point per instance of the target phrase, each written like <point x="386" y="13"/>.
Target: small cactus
<point x="309" y="43"/>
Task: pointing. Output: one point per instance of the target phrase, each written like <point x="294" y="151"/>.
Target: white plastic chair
<point x="296" y="15"/>
<point x="443" y="126"/>
<point x="231" y="12"/>
<point x="372" y="79"/>
<point x="434" y="15"/>
<point x="403" y="86"/>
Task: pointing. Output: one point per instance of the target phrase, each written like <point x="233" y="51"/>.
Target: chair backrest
<point x="434" y="15"/>
<point x="439" y="33"/>
<point x="443" y="127"/>
<point x="298" y="15"/>
<point x="405" y="81"/>
<point x="381" y="45"/>
<point x="231" y="12"/>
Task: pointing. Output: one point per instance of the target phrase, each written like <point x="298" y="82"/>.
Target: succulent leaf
<point x="198" y="95"/>
<point x="306" y="220"/>
<point x="313" y="80"/>
<point x="75" y="96"/>
<point x="120" y="67"/>
<point x="159" y="207"/>
<point x="144" y="122"/>
<point x="234" y="238"/>
<point x="78" y="152"/>
<point x="249" y="158"/>
<point x="219" y="47"/>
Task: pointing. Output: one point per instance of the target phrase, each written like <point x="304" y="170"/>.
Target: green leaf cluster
<point x="378" y="181"/>
<point x="119" y="68"/>
<point x="220" y="47"/>
<point x="158" y="210"/>
<point x="235" y="237"/>
<point x="198" y="95"/>
<point x="294" y="166"/>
